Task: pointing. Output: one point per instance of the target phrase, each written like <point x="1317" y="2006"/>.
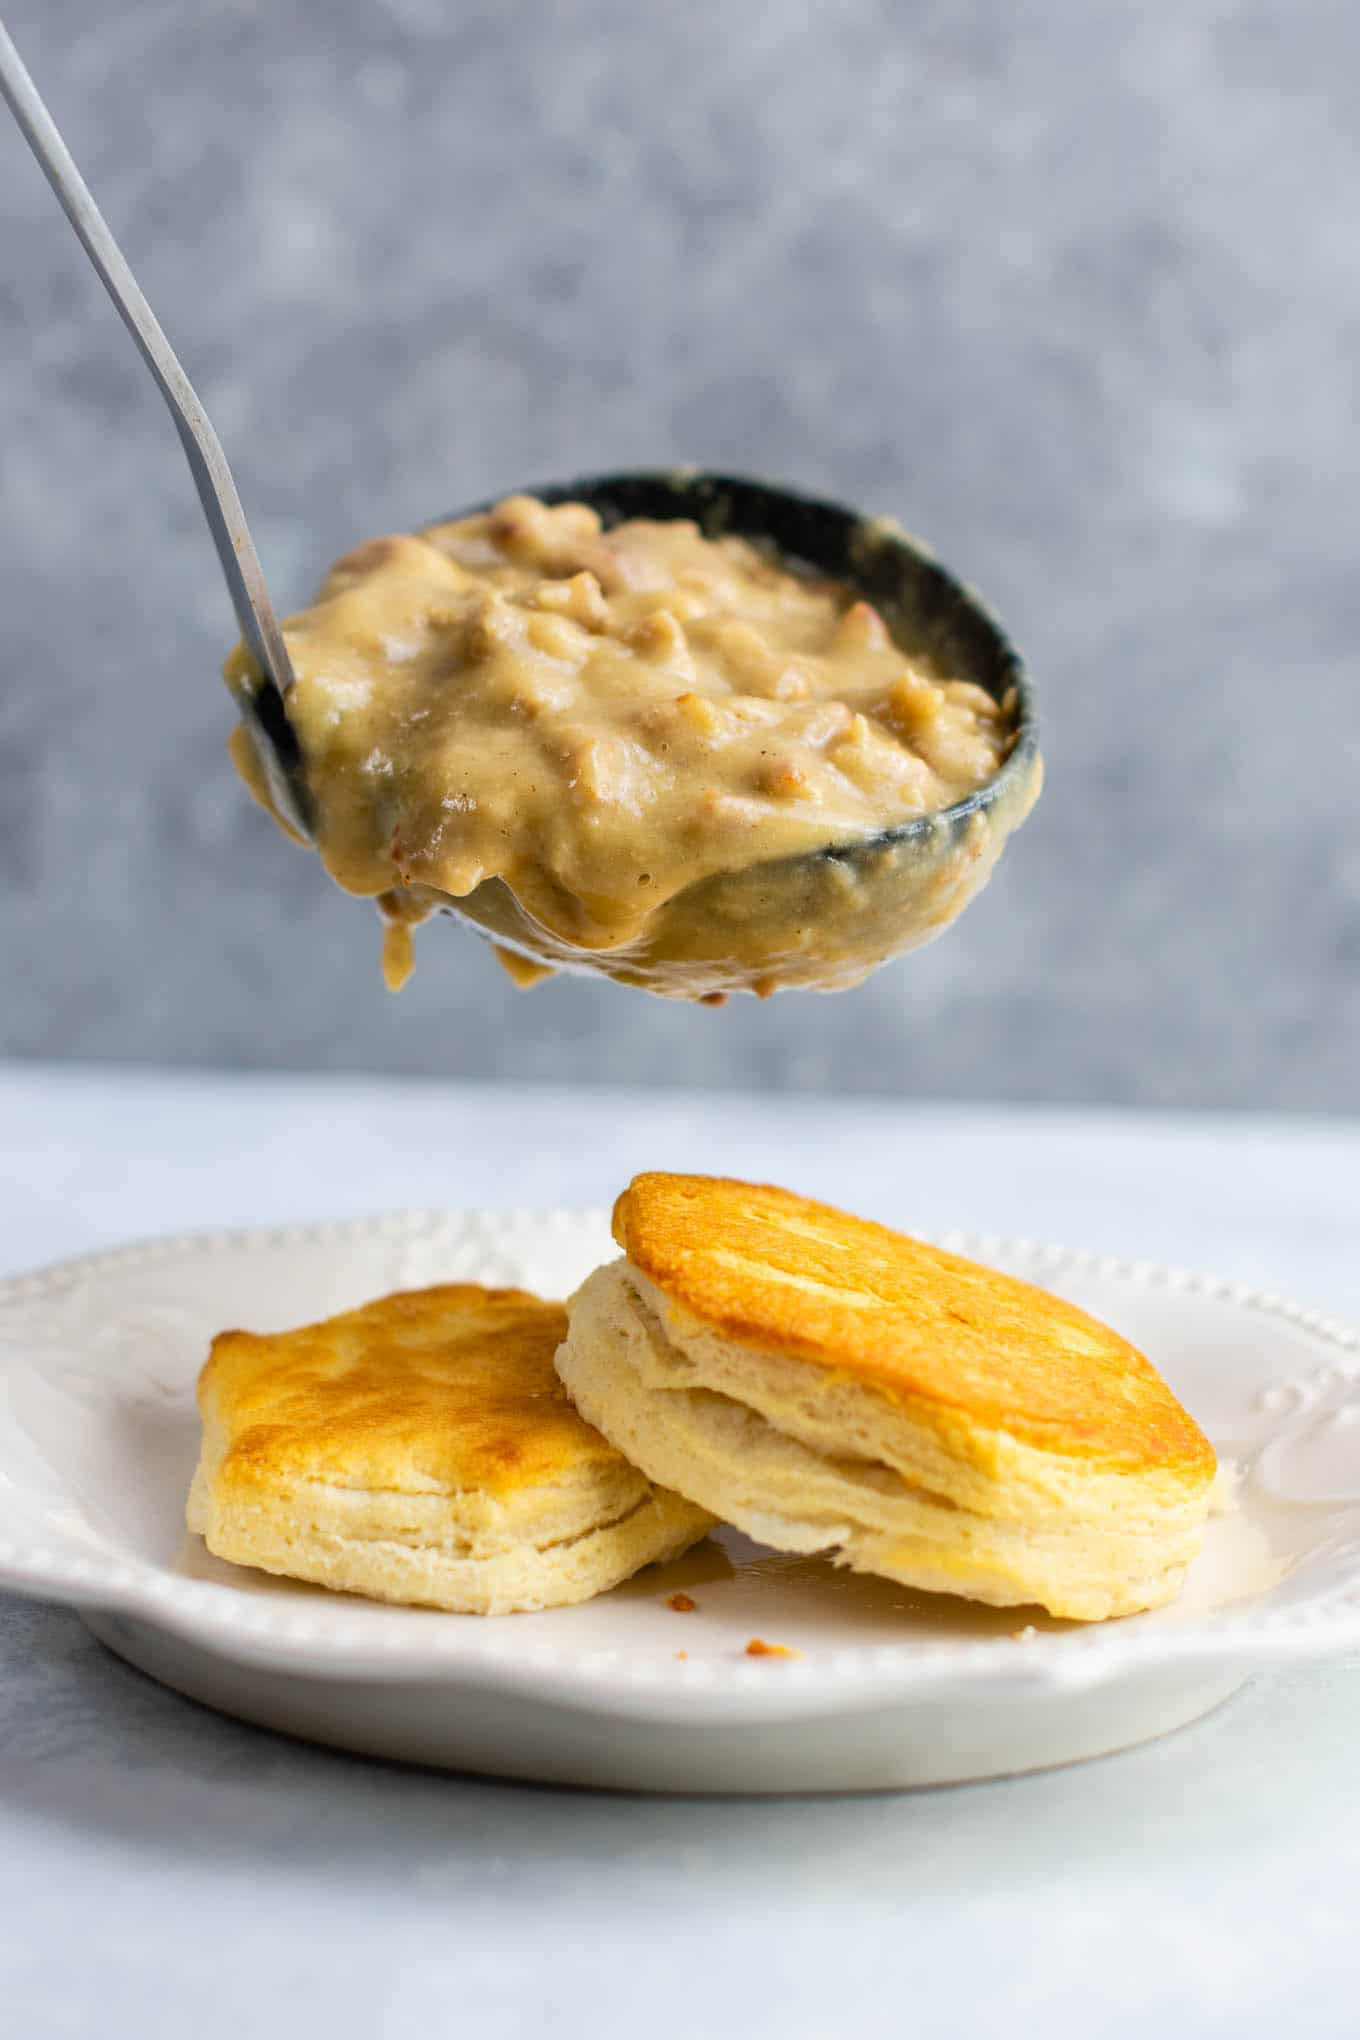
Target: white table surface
<point x="164" y="1871"/>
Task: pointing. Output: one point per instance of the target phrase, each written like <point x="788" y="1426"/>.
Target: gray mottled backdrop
<point x="1073" y="289"/>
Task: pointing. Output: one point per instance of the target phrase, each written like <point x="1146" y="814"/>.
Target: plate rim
<point x="240" y="1626"/>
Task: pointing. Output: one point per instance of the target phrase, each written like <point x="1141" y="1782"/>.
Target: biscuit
<point x="423" y="1450"/>
<point x="826" y="1384"/>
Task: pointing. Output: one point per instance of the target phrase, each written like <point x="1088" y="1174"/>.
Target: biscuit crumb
<point x="682" y="1604"/>
<point x="758" y="1647"/>
<point x="682" y="1653"/>
<point x="1029" y="1634"/>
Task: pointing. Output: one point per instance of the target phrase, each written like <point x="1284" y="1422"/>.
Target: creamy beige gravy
<point x="602" y="720"/>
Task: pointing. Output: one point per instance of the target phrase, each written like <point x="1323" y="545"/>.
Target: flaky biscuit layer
<point x="816" y="1458"/>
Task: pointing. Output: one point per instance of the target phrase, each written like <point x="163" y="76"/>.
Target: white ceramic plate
<point x="98" y="1437"/>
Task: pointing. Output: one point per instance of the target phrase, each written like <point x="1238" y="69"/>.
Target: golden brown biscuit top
<point x="779" y="1272"/>
<point x="429" y="1391"/>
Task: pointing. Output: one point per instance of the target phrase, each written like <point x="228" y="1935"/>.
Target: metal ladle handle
<point x="207" y="462"/>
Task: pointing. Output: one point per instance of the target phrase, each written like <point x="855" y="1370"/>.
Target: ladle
<point x="823" y="919"/>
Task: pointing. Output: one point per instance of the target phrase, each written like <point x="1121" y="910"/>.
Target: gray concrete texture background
<point x="1073" y="290"/>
